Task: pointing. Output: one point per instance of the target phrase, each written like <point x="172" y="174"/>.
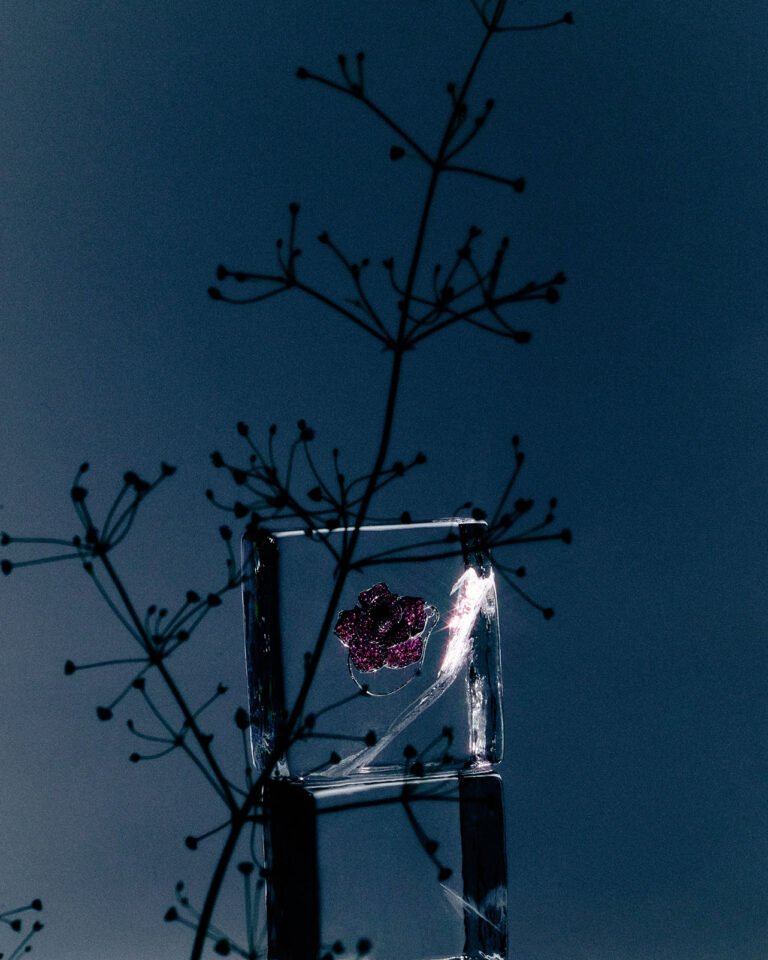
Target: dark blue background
<point x="140" y="146"/>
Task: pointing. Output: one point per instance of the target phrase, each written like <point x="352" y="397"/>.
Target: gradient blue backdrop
<point x="141" y="144"/>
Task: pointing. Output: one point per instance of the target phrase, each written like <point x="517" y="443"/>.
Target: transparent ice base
<point x="357" y="716"/>
<point x="406" y="870"/>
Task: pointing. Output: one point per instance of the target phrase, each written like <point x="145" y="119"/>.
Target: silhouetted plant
<point x="286" y="487"/>
<point x="26" y="932"/>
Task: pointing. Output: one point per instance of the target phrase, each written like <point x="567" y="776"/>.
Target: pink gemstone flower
<point x="384" y="630"/>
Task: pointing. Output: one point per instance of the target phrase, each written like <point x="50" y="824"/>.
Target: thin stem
<point x="342" y="311"/>
<point x="517" y="184"/>
<point x="524" y="294"/>
<point x="214" y="887"/>
<point x="392" y="124"/>
<point x="202" y="741"/>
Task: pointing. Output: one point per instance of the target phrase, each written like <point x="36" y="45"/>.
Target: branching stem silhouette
<point x="402" y="343"/>
<point x="419" y="315"/>
<point x="156" y="660"/>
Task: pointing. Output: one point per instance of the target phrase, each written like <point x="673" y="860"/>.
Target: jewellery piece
<point x="385" y="630"/>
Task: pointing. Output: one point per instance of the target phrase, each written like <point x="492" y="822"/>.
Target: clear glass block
<point x="399" y="870"/>
<point x="408" y="679"/>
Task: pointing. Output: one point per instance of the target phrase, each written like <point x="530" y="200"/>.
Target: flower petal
<point x="414" y="614"/>
<point x="405" y="653"/>
<point x="366" y="654"/>
<point x="353" y="624"/>
<point x="375" y="594"/>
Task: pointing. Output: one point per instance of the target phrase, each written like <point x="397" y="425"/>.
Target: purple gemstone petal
<point x="375" y="594"/>
<point x="405" y="653"/>
<point x="367" y="655"/>
<point x="346" y="626"/>
<point x="353" y="624"/>
<point x="414" y="613"/>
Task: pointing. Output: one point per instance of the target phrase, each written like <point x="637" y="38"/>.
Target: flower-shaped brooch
<point x="385" y="630"/>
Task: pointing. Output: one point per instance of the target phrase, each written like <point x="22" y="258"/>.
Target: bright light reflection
<point x="472" y="591"/>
